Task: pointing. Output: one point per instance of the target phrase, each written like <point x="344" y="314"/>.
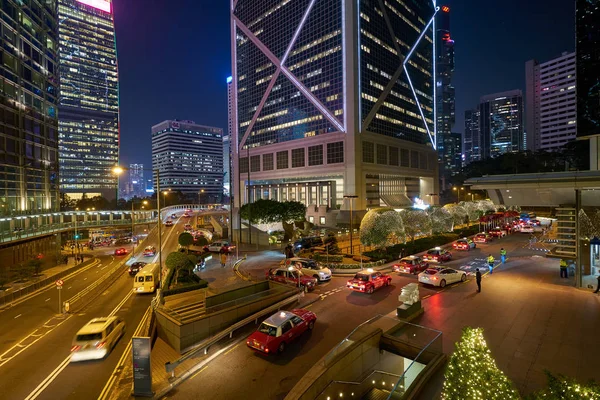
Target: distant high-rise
<point x="445" y="98"/>
<point x="227" y="140"/>
<point x="587" y="21"/>
<point x="472" y="137"/>
<point x="455" y="151"/>
<point x="28" y="103"/>
<point x="189" y="158"/>
<point x="501" y="123"/>
<point x="89" y="98"/>
<point x="136" y="180"/>
<point x="550" y="105"/>
<point x="334" y="98"/>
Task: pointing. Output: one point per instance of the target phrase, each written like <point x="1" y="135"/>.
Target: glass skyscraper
<point x="472" y="137"/>
<point x="333" y="98"/>
<point x="501" y="123"/>
<point x="28" y="103"/>
<point x="89" y="98"/>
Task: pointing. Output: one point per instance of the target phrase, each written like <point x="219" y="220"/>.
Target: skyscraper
<point x="28" y="102"/>
<point x="501" y="123"/>
<point x="587" y="21"/>
<point x="334" y="98"/>
<point x="472" y="137"/>
<point x="227" y="140"/>
<point x="136" y="180"/>
<point x="189" y="158"/>
<point x="445" y="99"/>
<point x="550" y="100"/>
<point x="89" y="98"/>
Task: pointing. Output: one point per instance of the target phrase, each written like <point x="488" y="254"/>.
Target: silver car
<point x="309" y="267"/>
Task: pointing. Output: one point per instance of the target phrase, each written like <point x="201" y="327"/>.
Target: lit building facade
<point x="472" y="137"/>
<point x="89" y="98"/>
<point x="189" y="158"/>
<point x="28" y="107"/>
<point x="551" y="103"/>
<point x="334" y="98"/>
<point x="227" y="181"/>
<point x="445" y="98"/>
<point x="501" y="123"/>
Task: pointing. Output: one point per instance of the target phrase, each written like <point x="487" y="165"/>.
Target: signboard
<point x="142" y="369"/>
<point x="59" y="283"/>
<point x="103" y="5"/>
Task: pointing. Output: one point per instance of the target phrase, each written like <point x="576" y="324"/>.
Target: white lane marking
<point x="129" y="294"/>
<point x="69" y="287"/>
<point x="18" y="316"/>
<point x="46" y="382"/>
<point x="48" y="299"/>
<point x="85" y="279"/>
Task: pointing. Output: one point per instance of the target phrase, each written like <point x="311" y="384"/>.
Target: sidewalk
<point x="533" y="320"/>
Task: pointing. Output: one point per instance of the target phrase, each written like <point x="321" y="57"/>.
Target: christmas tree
<point x="563" y="388"/>
<point x="472" y="372"/>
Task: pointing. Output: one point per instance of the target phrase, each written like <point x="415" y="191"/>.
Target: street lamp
<point x="133" y="225"/>
<point x="457" y="190"/>
<point x="351" y="197"/>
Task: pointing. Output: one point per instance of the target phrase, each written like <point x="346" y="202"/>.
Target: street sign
<point x="59" y="282"/>
<point x="142" y="371"/>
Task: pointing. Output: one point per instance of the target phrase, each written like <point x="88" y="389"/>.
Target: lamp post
<point x="457" y="190"/>
<point x="133" y="226"/>
<point x="351" y="197"/>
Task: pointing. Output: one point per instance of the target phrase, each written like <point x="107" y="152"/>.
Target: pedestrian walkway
<point x="532" y="321"/>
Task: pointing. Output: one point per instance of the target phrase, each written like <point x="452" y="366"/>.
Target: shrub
<point x="364" y="258"/>
<point x="188" y="288"/>
<point x="331" y="258"/>
<point x="393" y="253"/>
<point x="355" y="266"/>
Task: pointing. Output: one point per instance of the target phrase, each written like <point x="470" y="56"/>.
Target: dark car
<point x="437" y="254"/>
<point x="308" y="242"/>
<point x="135" y="267"/>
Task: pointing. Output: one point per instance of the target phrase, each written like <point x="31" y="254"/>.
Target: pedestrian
<point x="402" y="253"/>
<point x="223" y="256"/>
<point x="289" y="251"/>
<point x="564" y="273"/>
<point x="598" y="287"/>
<point x="490" y="261"/>
<point x="478" y="280"/>
<point x="503" y="255"/>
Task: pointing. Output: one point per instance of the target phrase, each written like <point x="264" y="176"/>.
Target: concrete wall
<point x="14" y="254"/>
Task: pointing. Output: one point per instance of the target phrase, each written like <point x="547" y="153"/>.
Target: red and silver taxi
<point x="121" y="251"/>
<point x="498" y="232"/>
<point x="168" y="223"/>
<point x="280" y="329"/>
<point x="368" y="281"/>
<point x="410" y="265"/>
<point x="483" y="237"/>
<point x="464" y="244"/>
<point x="291" y="276"/>
<point x="150" y="251"/>
<point x="437" y="254"/>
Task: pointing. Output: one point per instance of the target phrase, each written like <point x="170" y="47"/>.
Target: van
<point x="97" y="338"/>
<point x="147" y="280"/>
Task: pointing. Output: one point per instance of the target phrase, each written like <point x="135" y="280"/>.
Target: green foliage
<point x="381" y="226"/>
<point x="177" y="260"/>
<point x="4" y="277"/>
<point x="201" y="241"/>
<point x="35" y="265"/>
<point x="187" y="288"/>
<point x="331" y="258"/>
<point x="267" y="211"/>
<point x="416" y="222"/>
<point x="441" y="220"/>
<point x="331" y="243"/>
<point x="392" y="253"/>
<point x="472" y="372"/>
<point x="185" y="239"/>
<point x="563" y="388"/>
<point x="458" y="212"/>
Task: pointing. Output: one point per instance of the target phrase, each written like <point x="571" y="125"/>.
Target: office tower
<point x="136" y="180"/>
<point x="445" y="99"/>
<point x="227" y="141"/>
<point x="455" y="152"/>
<point x="472" y="137"/>
<point x="501" y="123"/>
<point x="28" y="103"/>
<point x="550" y="103"/>
<point x="587" y="48"/>
<point x="89" y="98"/>
<point x="334" y="98"/>
<point x="189" y="158"/>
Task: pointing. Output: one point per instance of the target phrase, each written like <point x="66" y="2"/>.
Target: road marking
<point x="46" y="382"/>
<point x="85" y="279"/>
<point x="18" y="316"/>
<point x="69" y="287"/>
<point x="198" y="373"/>
<point x="121" y="304"/>
<point x="48" y="299"/>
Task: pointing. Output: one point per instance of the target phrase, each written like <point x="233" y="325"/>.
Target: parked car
<point x="498" y="232"/>
<point x="97" y="338"/>
<point x="527" y="229"/>
<point x="150" y="251"/>
<point x="121" y="251"/>
<point x="410" y="265"/>
<point x="216" y="246"/>
<point x="464" y="244"/>
<point x="292" y="277"/>
<point x="440" y="276"/>
<point x="309" y="267"/>
<point x="437" y="254"/>
<point x="483" y="237"/>
<point x="135" y="267"/>
<point x="308" y="242"/>
<point x="168" y="223"/>
<point x="369" y="281"/>
<point x="174" y="216"/>
<point x="280" y="329"/>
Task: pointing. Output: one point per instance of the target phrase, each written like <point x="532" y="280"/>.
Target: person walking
<point x="478" y="280"/>
<point x="598" y="287"/>
<point x="564" y="273"/>
<point x="223" y="256"/>
<point x="503" y="255"/>
<point x="289" y="251"/>
<point x="490" y="261"/>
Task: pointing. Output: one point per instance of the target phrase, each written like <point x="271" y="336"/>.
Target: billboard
<point x="103" y="5"/>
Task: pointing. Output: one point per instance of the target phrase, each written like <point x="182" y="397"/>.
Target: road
<point x="42" y="369"/>
<point x="241" y="371"/>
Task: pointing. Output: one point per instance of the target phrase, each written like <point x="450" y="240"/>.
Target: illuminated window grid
<point x="254" y="163"/>
<point x="298" y="160"/>
<point x="315" y="155"/>
<point x="335" y="153"/>
<point x="282" y="159"/>
<point x="368" y="152"/>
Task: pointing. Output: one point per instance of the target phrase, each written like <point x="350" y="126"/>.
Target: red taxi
<point x="291" y="276"/>
<point x="121" y="251"/>
<point x="369" y="281"/>
<point x="280" y="329"/>
<point x="483" y="237"/>
<point x="410" y="265"/>
<point x="168" y="223"/>
<point x="150" y="251"/>
<point x="437" y="254"/>
<point x="464" y="244"/>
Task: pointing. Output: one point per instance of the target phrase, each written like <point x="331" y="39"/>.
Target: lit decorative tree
<point x="380" y="227"/>
<point x="586" y="227"/>
<point x="472" y="373"/>
<point x="472" y="209"/>
<point x="486" y="205"/>
<point x="441" y="220"/>
<point x="560" y="387"/>
<point x="416" y="222"/>
<point x="458" y="212"/>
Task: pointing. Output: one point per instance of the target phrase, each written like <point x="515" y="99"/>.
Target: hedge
<point x="330" y="258"/>
<point x="393" y="252"/>
<point x="188" y="288"/>
<point x="355" y="266"/>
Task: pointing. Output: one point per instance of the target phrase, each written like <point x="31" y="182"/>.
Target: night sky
<point x="174" y="57"/>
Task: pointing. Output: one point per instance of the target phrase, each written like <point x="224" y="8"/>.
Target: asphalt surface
<point x="241" y="371"/>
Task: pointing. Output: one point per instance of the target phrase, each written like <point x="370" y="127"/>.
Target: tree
<point x="267" y="211"/>
<point x="416" y="222"/>
<point x="4" y="277"/>
<point x="458" y="212"/>
<point x="185" y="240"/>
<point x="472" y="372"/>
<point x="201" y="241"/>
<point x="380" y="227"/>
<point x="180" y="263"/>
<point x="35" y="265"/>
<point x="472" y="209"/>
<point x="441" y="220"/>
<point x="331" y="243"/>
<point x="586" y="227"/>
<point x="561" y="387"/>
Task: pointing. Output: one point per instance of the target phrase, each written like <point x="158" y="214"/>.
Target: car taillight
<point x="434" y="278"/>
<point x="100" y="345"/>
<point x="361" y="287"/>
<point x="266" y="350"/>
<point x="75" y="348"/>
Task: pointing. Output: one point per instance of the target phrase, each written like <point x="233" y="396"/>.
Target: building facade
<point x="472" y="137"/>
<point x="189" y="158"/>
<point x="89" y="99"/>
<point x="28" y="107"/>
<point x="551" y="103"/>
<point x="445" y="97"/>
<point x="334" y="99"/>
<point x="501" y="123"/>
<point x="227" y="178"/>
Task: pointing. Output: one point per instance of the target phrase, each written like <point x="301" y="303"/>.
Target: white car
<point x="216" y="246"/>
<point x="309" y="267"/>
<point x="527" y="229"/>
<point x="97" y="338"/>
<point x="440" y="276"/>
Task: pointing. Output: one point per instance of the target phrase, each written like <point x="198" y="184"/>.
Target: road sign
<point x="59" y="282"/>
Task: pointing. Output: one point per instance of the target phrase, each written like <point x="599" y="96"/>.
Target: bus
<point x="147" y="280"/>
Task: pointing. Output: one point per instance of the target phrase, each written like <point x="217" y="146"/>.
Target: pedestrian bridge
<point x="23" y="227"/>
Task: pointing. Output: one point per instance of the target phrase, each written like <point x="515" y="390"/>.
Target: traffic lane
<point x="241" y="371"/>
<point x="23" y="318"/>
<point x="29" y="369"/>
